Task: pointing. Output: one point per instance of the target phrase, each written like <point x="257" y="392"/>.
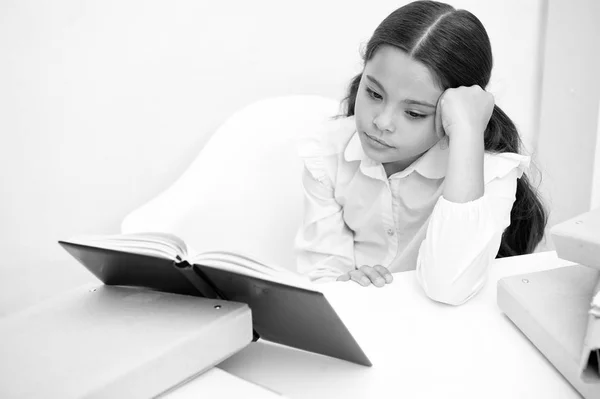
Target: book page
<point x="162" y="245"/>
<point x="244" y="264"/>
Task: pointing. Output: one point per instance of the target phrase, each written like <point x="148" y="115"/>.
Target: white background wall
<point x="569" y="133"/>
<point x="596" y="174"/>
<point x="103" y="104"/>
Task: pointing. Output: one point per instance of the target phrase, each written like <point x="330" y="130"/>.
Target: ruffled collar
<point x="432" y="164"/>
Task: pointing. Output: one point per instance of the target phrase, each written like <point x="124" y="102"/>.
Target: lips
<point x="378" y="140"/>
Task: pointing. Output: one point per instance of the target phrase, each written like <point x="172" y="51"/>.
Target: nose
<point x="384" y="121"/>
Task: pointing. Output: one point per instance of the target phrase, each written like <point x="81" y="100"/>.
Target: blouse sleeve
<point x="324" y="243"/>
<point x="463" y="239"/>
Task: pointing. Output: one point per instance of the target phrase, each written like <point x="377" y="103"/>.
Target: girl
<point x="423" y="171"/>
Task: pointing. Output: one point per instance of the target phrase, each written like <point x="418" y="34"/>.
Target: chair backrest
<point x="243" y="191"/>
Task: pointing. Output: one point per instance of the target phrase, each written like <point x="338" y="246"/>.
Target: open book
<point x="286" y="308"/>
<point x="169" y="246"/>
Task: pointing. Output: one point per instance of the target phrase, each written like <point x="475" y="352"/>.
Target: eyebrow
<point x="407" y="100"/>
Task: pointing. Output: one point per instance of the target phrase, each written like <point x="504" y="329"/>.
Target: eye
<point x="414" y="115"/>
<point x="373" y="94"/>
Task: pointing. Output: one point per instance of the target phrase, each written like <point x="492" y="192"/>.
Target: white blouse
<point x="355" y="215"/>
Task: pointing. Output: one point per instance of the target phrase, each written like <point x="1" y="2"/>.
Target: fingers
<point x="462" y="109"/>
<point x="385" y="273"/>
<point x="365" y="275"/>
<point x="373" y="275"/>
<point x="357" y="276"/>
<point x="438" y="125"/>
<point x="360" y="277"/>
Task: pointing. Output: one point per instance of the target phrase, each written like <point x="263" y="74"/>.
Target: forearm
<point x="462" y="239"/>
<point x="464" y="173"/>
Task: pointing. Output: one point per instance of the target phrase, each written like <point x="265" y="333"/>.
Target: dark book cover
<point x="281" y="313"/>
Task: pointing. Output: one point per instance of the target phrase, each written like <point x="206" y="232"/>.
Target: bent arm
<point x="462" y="240"/>
<point x="324" y="243"/>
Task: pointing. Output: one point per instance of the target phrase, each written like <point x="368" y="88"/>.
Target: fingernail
<point x="379" y="281"/>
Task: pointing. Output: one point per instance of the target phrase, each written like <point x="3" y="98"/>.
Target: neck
<point x="398" y="166"/>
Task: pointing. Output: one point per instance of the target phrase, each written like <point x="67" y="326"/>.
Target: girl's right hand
<point x="463" y="109"/>
<point x="365" y="275"/>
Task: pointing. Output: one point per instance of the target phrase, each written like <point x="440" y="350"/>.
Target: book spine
<point x="200" y="282"/>
<point x="203" y="284"/>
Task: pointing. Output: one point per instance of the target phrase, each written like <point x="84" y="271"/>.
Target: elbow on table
<point x="446" y="292"/>
<point x="452" y="281"/>
<point x="448" y="297"/>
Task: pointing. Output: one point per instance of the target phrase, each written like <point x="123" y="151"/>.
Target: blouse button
<point x="390" y="232"/>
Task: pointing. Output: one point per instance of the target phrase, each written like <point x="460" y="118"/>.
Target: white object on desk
<point x="419" y="348"/>
<point x="555" y="309"/>
<point x="217" y="383"/>
<point x="552" y="310"/>
<point x="100" y="341"/>
<point x="578" y="239"/>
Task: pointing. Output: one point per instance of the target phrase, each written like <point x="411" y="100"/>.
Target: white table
<point x="217" y="383"/>
<point x="419" y="348"/>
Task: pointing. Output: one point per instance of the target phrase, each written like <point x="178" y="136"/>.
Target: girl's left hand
<point x="365" y="275"/>
<point x="463" y="110"/>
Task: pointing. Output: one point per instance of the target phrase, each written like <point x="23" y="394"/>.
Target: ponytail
<point x="528" y="217"/>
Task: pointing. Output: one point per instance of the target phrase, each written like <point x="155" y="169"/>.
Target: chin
<point x="379" y="158"/>
<point x="378" y="155"/>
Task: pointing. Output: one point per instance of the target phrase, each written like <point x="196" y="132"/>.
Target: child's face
<point x="390" y="114"/>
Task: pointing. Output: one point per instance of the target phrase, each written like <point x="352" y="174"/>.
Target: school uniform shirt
<point x="355" y="215"/>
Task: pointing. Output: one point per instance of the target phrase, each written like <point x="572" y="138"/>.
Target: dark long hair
<point x="456" y="48"/>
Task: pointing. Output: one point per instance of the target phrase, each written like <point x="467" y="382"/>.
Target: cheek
<point x="362" y="113"/>
<point x="428" y="135"/>
<point x="429" y="128"/>
<point x="360" y="105"/>
<point x="424" y="127"/>
<point x="415" y="134"/>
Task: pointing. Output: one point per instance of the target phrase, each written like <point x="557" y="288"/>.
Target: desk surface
<point x="219" y="384"/>
<point x="419" y="348"/>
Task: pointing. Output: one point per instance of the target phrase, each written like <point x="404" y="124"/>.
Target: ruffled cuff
<point x="323" y="276"/>
<point x="497" y="166"/>
<point x="324" y="270"/>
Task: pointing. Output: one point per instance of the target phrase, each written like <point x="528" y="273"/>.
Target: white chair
<point x="243" y="191"/>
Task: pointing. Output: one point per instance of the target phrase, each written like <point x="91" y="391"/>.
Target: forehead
<point x="399" y="73"/>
